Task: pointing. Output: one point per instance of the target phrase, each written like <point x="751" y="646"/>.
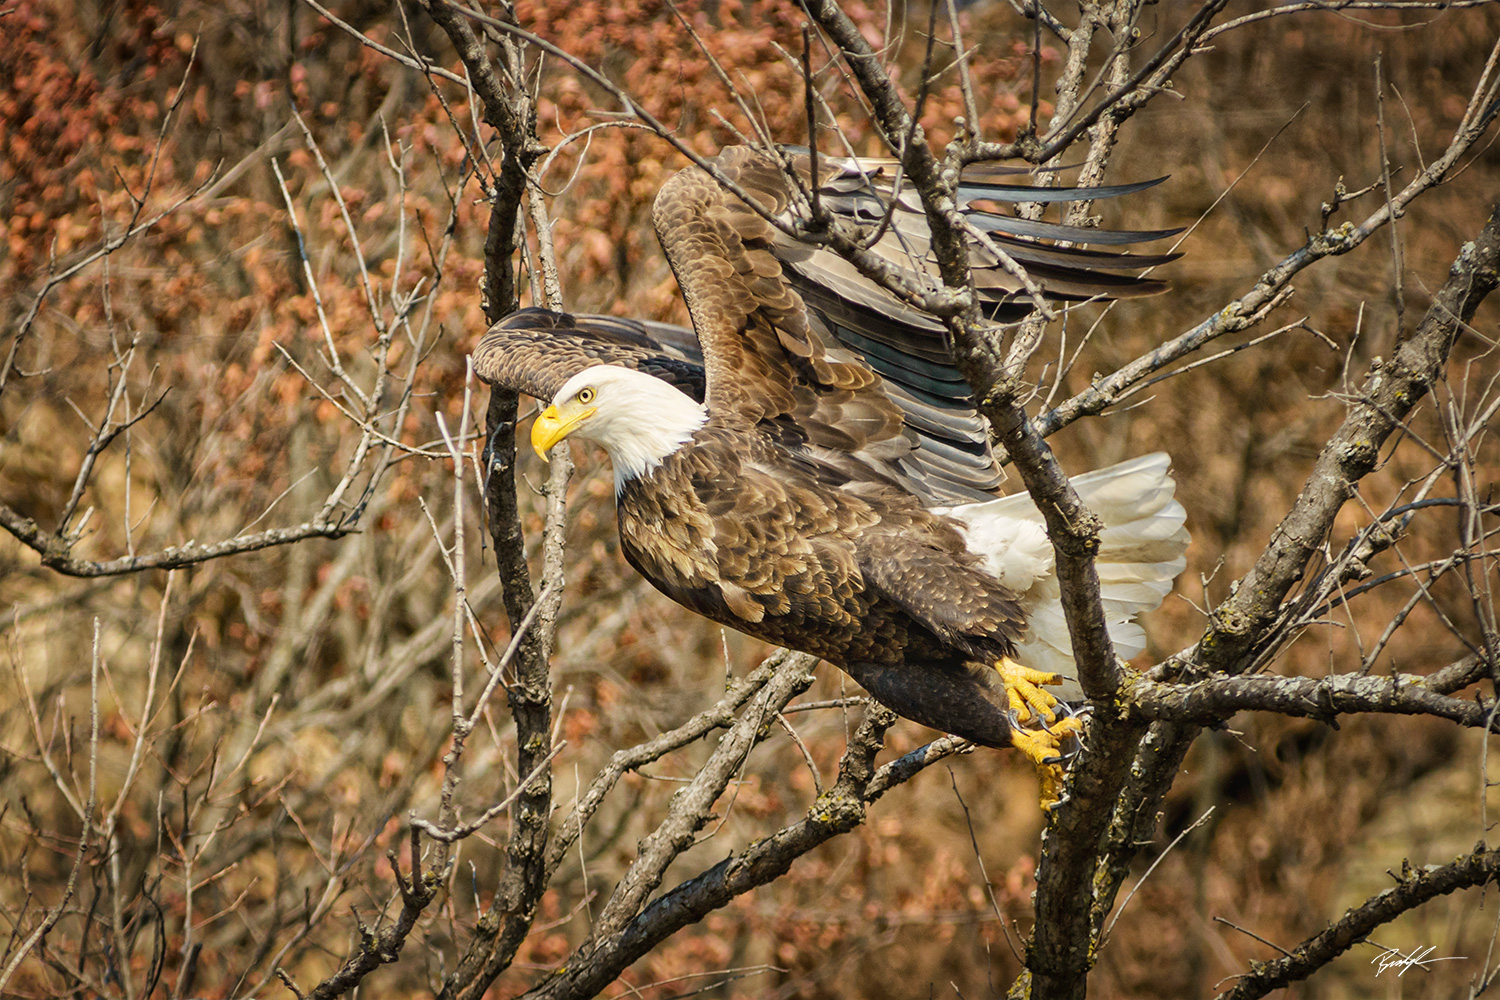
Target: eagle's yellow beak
<point x="554" y="425"/>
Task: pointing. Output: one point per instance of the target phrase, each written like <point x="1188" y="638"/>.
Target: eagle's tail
<point x="1140" y="554"/>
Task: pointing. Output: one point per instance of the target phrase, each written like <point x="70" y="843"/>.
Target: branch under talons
<point x="1074" y="530"/>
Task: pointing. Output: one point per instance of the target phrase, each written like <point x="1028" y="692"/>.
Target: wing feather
<point x="536" y="351"/>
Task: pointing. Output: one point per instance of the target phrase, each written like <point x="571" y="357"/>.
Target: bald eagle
<point x="812" y="471"/>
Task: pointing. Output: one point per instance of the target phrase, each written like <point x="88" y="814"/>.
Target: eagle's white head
<point x="638" y="418"/>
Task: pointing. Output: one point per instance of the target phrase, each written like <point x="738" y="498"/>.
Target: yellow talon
<point x="1043" y="745"/>
<point x="1051" y="776"/>
<point x="1027" y="699"/>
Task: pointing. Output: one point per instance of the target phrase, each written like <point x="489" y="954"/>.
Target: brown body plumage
<point x="865" y="578"/>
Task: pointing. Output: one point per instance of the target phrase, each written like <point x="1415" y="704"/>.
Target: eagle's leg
<point x="1043" y="748"/>
<point x="1023" y="687"/>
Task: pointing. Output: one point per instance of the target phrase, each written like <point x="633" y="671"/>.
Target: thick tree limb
<point x="1061" y="950"/>
<point x="502" y="929"/>
<point x="1325" y="698"/>
<point x="1074" y="532"/>
<point x="1155" y="762"/>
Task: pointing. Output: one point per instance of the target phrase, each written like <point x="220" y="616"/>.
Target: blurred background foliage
<point x="301" y="700"/>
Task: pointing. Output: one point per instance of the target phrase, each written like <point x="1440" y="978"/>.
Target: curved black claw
<point x="1070" y="709"/>
<point x="1071" y="754"/>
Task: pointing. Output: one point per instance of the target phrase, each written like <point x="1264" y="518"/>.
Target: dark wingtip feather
<point x="1036" y="229"/>
<point x="983" y="191"/>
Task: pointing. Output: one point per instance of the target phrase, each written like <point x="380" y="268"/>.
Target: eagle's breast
<point x="665" y="531"/>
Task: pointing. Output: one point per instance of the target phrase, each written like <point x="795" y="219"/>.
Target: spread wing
<point x="792" y="334"/>
<point x="798" y="343"/>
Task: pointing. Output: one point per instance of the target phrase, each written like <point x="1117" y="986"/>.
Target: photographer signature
<point x="1392" y="958"/>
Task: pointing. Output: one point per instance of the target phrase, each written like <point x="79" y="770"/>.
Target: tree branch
<point x="837" y="811"/>
<point x="55" y="549"/>
<point x="505" y="925"/>
<point x="1412" y="889"/>
<point x="1325" y="698"/>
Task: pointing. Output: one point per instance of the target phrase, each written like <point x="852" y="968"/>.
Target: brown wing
<point x="536" y="351"/>
<point x="758" y="345"/>
<point x="793" y="334"/>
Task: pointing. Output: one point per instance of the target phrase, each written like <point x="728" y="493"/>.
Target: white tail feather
<point x="1140" y="554"/>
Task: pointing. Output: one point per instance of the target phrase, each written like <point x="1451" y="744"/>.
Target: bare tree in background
<point x="194" y="822"/>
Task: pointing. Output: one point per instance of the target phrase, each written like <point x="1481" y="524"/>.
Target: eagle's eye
<point x="586" y="395"/>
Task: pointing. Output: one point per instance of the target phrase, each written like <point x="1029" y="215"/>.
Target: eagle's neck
<point x="656" y="421"/>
